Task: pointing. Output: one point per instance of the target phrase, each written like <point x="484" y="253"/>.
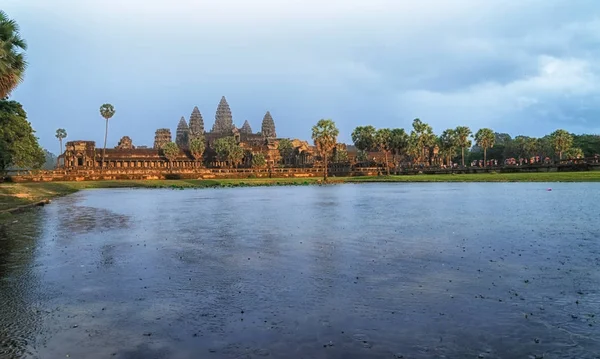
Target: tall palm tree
<point x="107" y="111"/>
<point x="12" y="60"/>
<point x="61" y="134"/>
<point x="324" y="133"/>
<point x="485" y="139"/>
<point x="462" y="140"/>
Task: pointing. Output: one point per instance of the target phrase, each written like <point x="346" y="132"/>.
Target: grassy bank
<point x="14" y="195"/>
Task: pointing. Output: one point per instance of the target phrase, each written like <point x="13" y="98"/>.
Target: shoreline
<point x="15" y="197"/>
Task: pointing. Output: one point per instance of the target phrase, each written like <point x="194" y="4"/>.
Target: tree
<point x="286" y="149"/>
<point x="324" y="134"/>
<point x="18" y="145"/>
<point x="340" y="154"/>
<point x="364" y="138"/>
<point x="383" y="142"/>
<point x="448" y="145"/>
<point x="197" y="147"/>
<point x="573" y="153"/>
<point x="170" y="150"/>
<point x="561" y="142"/>
<point x="485" y="139"/>
<point x="12" y="59"/>
<point x="423" y="138"/>
<point x="107" y="111"/>
<point x="229" y="150"/>
<point x="258" y="160"/>
<point x="462" y="140"/>
<point x="61" y="134"/>
<point x="398" y="142"/>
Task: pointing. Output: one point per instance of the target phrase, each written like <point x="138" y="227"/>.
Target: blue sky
<point x="522" y="67"/>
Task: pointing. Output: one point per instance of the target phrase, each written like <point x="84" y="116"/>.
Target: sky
<point x="524" y="67"/>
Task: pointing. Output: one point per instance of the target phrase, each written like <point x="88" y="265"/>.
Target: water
<point x="346" y="271"/>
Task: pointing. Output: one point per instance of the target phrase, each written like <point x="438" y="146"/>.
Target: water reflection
<point x="352" y="271"/>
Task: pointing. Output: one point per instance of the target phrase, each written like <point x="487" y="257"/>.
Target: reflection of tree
<point x="79" y="219"/>
<point x="19" y="285"/>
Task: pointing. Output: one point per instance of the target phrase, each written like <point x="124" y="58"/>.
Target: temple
<point x="85" y="155"/>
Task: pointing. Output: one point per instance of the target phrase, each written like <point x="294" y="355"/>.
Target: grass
<point x="14" y="195"/>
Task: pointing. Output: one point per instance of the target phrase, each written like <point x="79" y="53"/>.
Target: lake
<point x="432" y="270"/>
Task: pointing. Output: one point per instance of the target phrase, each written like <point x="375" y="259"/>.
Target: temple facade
<point x="85" y="155"/>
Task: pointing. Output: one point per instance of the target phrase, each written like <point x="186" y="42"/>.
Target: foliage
<point x="61" y="134"/>
<point x="18" y="145"/>
<point x="197" y="147"/>
<point x="12" y="59"/>
<point x="229" y="150"/>
<point x="485" y="139"/>
<point x="286" y="148"/>
<point x="398" y="141"/>
<point x="362" y="156"/>
<point x="589" y="144"/>
<point x="324" y="134"/>
<point x="573" y="153"/>
<point x="463" y="133"/>
<point x="258" y="160"/>
<point x="340" y="154"/>
<point x="107" y="111"/>
<point x="422" y="139"/>
<point x="561" y="142"/>
<point x="170" y="150"/>
<point x="49" y="160"/>
<point x="448" y="145"/>
<point x="364" y="138"/>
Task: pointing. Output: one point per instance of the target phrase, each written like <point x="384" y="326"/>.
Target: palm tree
<point x="12" y="60"/>
<point x="424" y="136"/>
<point x="324" y="133"/>
<point x="107" y="111"/>
<point x="448" y="145"/>
<point x="561" y="141"/>
<point x="485" y="139"/>
<point x="61" y="134"/>
<point x="462" y="140"/>
<point x="170" y="151"/>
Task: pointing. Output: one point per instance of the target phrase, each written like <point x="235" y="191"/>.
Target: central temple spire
<point x="223" y="118"/>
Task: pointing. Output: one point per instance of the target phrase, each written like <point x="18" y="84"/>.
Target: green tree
<point x="18" y="145"/>
<point x="364" y="138"/>
<point x="197" y="147"/>
<point x="258" y="160"/>
<point x="423" y="134"/>
<point x="12" y="58"/>
<point x="398" y="142"/>
<point x="229" y="150"/>
<point x="573" y="153"/>
<point x="561" y="141"/>
<point x="463" y="133"/>
<point x="107" y="111"/>
<point x="362" y="156"/>
<point x="286" y="149"/>
<point x="170" y="150"/>
<point x="485" y="139"/>
<point x="340" y="154"/>
<point x="448" y="145"/>
<point x="324" y="135"/>
<point x="590" y="144"/>
<point x="383" y="142"/>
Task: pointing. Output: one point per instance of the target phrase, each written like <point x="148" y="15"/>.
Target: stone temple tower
<point x="246" y="128"/>
<point x="161" y="137"/>
<point x="268" y="126"/>
<point x="182" y="138"/>
<point x="223" y="118"/>
<point x="196" y="124"/>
